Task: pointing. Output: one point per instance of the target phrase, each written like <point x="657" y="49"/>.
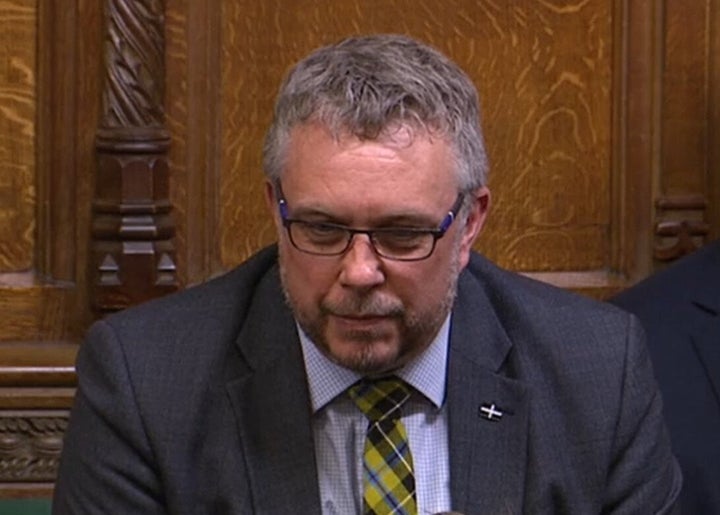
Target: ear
<point x="271" y="201"/>
<point x="476" y="215"/>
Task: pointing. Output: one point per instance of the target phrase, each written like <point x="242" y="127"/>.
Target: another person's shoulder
<point x="694" y="272"/>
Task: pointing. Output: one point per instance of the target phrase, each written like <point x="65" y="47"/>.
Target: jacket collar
<point x="488" y="411"/>
<point x="272" y="406"/>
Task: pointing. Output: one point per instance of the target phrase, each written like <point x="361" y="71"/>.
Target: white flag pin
<point x="491" y="412"/>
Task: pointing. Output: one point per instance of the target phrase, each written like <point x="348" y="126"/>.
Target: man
<point x="680" y="309"/>
<point x="371" y="362"/>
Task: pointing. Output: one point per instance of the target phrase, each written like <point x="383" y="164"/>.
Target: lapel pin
<point x="491" y="412"/>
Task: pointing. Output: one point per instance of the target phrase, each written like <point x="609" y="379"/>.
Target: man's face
<point x="365" y="312"/>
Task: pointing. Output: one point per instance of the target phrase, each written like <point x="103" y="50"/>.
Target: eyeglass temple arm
<point x="280" y="197"/>
<point x="450" y="217"/>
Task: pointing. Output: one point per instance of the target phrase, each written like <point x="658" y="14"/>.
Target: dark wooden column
<point x="133" y="255"/>
<point x="684" y="211"/>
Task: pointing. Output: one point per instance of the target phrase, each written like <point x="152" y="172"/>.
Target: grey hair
<point x="366" y="86"/>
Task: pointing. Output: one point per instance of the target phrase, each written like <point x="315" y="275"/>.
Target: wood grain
<point x="681" y="225"/>
<point x="544" y="73"/>
<point x="47" y="300"/>
<point x="574" y="94"/>
<point x="713" y="162"/>
<point x="601" y="116"/>
<point x="31" y="444"/>
<point x="133" y="256"/>
<point x="43" y="300"/>
<point x="193" y="115"/>
<point x="684" y="97"/>
<point x="18" y="19"/>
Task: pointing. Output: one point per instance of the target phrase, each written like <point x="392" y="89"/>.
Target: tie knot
<point x="381" y="398"/>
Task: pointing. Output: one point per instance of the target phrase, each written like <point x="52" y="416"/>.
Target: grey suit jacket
<point x="198" y="404"/>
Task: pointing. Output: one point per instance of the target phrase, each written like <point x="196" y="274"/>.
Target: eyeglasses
<point x="396" y="243"/>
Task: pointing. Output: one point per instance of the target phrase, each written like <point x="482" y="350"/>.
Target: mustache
<point x="359" y="306"/>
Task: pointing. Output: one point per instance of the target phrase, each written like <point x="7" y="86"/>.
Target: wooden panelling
<point x="545" y="74"/>
<point x="43" y="297"/>
<point x="634" y="147"/>
<point x="17" y="134"/>
<point x="578" y="99"/>
<point x="713" y="115"/>
<point x="133" y="254"/>
<point x="46" y="299"/>
<point x="602" y="120"/>
<point x="682" y="185"/>
<point x="36" y="391"/>
<point x="193" y="114"/>
<point x="684" y="96"/>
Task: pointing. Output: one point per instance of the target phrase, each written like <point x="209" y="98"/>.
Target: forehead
<point x="407" y="160"/>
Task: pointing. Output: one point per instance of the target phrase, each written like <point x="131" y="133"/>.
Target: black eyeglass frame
<point x="436" y="233"/>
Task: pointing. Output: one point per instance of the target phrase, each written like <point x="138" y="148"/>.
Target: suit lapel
<point x="487" y="453"/>
<point x="272" y="408"/>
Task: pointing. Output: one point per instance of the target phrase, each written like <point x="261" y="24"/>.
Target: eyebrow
<point x="414" y="220"/>
<point x="317" y="214"/>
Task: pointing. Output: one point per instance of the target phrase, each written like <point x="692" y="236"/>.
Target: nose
<point x="361" y="266"/>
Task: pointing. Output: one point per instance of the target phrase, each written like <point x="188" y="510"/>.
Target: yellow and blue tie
<point x="388" y="480"/>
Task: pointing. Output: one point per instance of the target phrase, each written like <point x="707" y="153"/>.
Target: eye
<point x="402" y="239"/>
<point x="319" y="233"/>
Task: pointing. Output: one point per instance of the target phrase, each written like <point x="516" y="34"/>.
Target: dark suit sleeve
<point x="107" y="463"/>
<point x="644" y="476"/>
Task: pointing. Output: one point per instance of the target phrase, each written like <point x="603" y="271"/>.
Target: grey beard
<point x="417" y="331"/>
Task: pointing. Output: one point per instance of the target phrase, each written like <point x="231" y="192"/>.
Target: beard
<point x="378" y="348"/>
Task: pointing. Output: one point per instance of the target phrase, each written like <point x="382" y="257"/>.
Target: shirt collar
<point x="426" y="373"/>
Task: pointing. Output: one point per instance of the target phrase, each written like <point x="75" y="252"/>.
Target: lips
<point x="355" y="316"/>
<point x="359" y="322"/>
<point x="362" y="318"/>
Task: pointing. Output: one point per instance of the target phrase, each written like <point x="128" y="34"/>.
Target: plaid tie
<point x="388" y="481"/>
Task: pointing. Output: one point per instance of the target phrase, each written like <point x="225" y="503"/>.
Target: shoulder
<point x="559" y="345"/>
<point x="676" y="285"/>
<point x="516" y="297"/>
<point x="228" y="291"/>
<point x="182" y="346"/>
<point x="211" y="312"/>
<point x="545" y="326"/>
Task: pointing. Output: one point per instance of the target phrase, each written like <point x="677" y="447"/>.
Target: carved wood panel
<point x="688" y="130"/>
<point x="30" y="445"/>
<point x="132" y="227"/>
<point x="36" y="391"/>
